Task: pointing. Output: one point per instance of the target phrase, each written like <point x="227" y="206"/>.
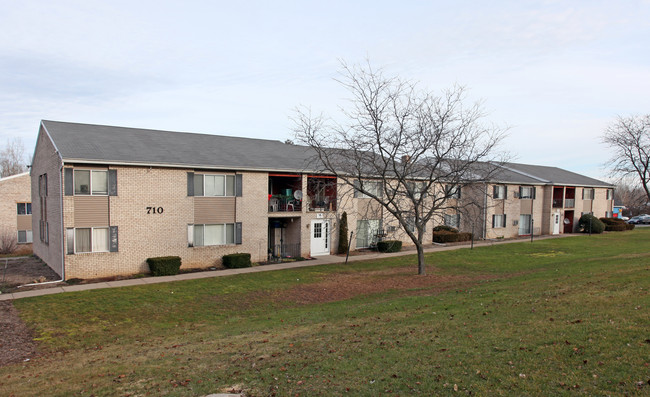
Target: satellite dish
<point x="297" y="194"/>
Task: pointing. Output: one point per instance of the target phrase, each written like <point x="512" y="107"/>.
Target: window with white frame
<point x="211" y="185"/>
<point x="418" y="189"/>
<point x="91" y="239"/>
<point x="91" y="182"/>
<point x="526" y="192"/>
<point x="588" y="194"/>
<point x="24" y="208"/>
<point x="499" y="192"/>
<point x="525" y="224"/>
<point x="498" y="221"/>
<point x="610" y="194"/>
<point x="367" y="230"/>
<point x="215" y="234"/>
<point x="372" y="187"/>
<point x="452" y="220"/>
<point x="25" y="236"/>
<point x="453" y="191"/>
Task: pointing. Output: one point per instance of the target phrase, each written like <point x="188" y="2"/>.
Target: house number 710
<point x="155" y="210"/>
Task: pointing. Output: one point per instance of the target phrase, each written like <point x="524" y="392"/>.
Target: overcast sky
<point x="556" y="72"/>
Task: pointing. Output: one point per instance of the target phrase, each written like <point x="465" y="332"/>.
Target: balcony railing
<point x="283" y="252"/>
<point x="284" y="204"/>
<point x="557" y="203"/>
<point x="569" y="203"/>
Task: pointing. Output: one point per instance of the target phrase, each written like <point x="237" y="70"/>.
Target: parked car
<point x="643" y="218"/>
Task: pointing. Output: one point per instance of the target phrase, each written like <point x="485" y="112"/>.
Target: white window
<point x="25" y="236"/>
<point x="499" y="192"/>
<point x="610" y="194"/>
<point x="367" y="232"/>
<point x="452" y="220"/>
<point x="416" y="188"/>
<point x="588" y="194"/>
<point x="218" y="234"/>
<point x="372" y="187"/>
<point x="92" y="239"/>
<point x="526" y="192"/>
<point x="453" y="191"/>
<point x="214" y="185"/>
<point x="498" y="221"/>
<point x="524" y="225"/>
<point x="88" y="182"/>
<point x="24" y="208"/>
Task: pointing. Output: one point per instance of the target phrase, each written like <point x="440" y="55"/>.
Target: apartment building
<point x="107" y="198"/>
<point x="16" y="208"/>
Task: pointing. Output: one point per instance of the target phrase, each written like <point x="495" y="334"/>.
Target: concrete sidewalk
<point x="321" y="260"/>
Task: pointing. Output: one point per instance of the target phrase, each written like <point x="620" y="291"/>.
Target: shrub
<point x="164" y="265"/>
<point x="445" y="228"/>
<point x="343" y="233"/>
<point x="236" y="261"/>
<point x="389" y="246"/>
<point x="616" y="225"/>
<point x="450" y="237"/>
<point x="8" y="241"/>
<point x="588" y="221"/>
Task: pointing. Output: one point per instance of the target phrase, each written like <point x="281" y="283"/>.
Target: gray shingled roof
<point x="107" y="144"/>
<point x="119" y="145"/>
<point x="554" y="175"/>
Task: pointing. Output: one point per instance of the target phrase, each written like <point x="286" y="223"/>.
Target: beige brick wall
<point x="14" y="189"/>
<point x="143" y="235"/>
<point x="47" y="160"/>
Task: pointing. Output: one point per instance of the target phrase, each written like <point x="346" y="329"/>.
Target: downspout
<point x="485" y="200"/>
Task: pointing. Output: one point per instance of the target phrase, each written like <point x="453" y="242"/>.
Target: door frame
<point x="326" y="236"/>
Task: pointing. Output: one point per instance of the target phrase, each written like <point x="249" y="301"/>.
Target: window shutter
<point x="505" y="192"/>
<point x="458" y="221"/>
<point x="112" y="182"/>
<point x="69" y="234"/>
<point x="190" y="184"/>
<point x="238" y="185"/>
<point x="238" y="233"/>
<point x="458" y="191"/>
<point x="493" y="220"/>
<point x="190" y="235"/>
<point x="495" y="191"/>
<point x="583" y="193"/>
<point x="504" y="220"/>
<point x="68" y="181"/>
<point x="356" y="188"/>
<point x="520" y="191"/>
<point x="113" y="239"/>
<point x="534" y="191"/>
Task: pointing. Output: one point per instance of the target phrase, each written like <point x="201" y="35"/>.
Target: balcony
<point x="321" y="193"/>
<point x="285" y="193"/>
<point x="557" y="203"/>
<point x="569" y="203"/>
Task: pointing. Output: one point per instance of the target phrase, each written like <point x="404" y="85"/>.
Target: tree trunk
<point x="421" y="269"/>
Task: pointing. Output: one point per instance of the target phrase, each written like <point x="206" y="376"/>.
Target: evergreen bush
<point x="389" y="246"/>
<point x="343" y="233"/>
<point x="588" y="221"/>
<point x="236" y="261"/>
<point x="164" y="265"/>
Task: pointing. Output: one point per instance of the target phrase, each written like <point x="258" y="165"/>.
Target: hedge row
<point x="450" y="237"/>
<point x="590" y="224"/>
<point x="164" y="265"/>
<point x="616" y="225"/>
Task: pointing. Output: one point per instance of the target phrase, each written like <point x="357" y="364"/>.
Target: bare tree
<point x="629" y="139"/>
<point x="12" y="158"/>
<point x="8" y="241"/>
<point x="420" y="147"/>
<point x="632" y="197"/>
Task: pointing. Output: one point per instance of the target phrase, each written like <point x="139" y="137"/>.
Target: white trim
<point x="14" y="176"/>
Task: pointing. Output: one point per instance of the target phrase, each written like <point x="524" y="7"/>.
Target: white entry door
<point x="320" y="237"/>
<point x="556" y="223"/>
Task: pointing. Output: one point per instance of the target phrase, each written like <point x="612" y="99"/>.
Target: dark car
<point x="643" y="218"/>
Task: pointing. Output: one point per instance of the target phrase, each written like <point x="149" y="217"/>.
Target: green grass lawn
<point x="561" y="316"/>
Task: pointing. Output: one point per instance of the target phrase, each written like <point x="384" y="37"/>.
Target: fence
<point x="282" y="252"/>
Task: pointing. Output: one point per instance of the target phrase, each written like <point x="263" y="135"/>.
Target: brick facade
<point x="13" y="190"/>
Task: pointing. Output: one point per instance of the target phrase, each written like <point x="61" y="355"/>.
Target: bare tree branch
<point x="421" y="147"/>
<point x="12" y="158"/>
